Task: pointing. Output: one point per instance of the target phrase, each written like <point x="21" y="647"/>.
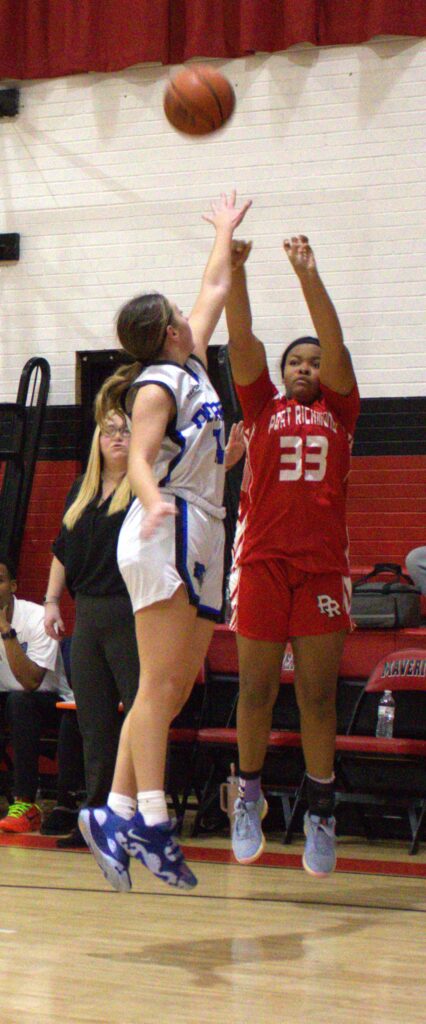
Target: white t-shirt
<point x="28" y="620"/>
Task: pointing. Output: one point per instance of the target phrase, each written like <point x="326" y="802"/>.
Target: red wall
<point x="52" y="481"/>
<point x="386" y="507"/>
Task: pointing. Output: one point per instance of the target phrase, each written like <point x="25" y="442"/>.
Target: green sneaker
<point x="21" y="817"/>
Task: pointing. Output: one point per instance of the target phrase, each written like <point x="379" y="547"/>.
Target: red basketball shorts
<point x="274" y="601"/>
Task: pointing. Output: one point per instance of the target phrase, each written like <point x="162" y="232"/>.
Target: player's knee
<point x="319" y="702"/>
<point x="165" y="689"/>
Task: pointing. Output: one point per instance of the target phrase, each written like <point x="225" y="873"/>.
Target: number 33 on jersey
<point x="293" y="501"/>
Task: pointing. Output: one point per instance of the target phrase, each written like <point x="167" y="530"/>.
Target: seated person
<point x="32" y="679"/>
<point x="416" y="567"/>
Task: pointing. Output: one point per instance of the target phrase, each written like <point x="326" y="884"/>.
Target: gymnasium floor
<point x="248" y="946"/>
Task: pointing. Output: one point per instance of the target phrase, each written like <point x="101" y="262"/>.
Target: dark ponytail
<point x="112" y="396"/>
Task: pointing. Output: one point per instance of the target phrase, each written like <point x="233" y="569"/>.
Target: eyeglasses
<point x="111" y="431"/>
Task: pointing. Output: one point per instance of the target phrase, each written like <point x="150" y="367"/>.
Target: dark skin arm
<point x="26" y="672"/>
<point x="246" y="353"/>
<point x="336" y="370"/>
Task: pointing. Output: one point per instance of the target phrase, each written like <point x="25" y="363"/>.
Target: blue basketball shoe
<point x="319" y="858"/>
<point x="99" y="826"/>
<point x="156" y="847"/>
<point x="248" y="841"/>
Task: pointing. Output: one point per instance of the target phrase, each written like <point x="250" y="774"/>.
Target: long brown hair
<point x="142" y="330"/>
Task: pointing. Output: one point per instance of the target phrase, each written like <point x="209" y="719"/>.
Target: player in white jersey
<point x="170" y="550"/>
<point x="189" y="471"/>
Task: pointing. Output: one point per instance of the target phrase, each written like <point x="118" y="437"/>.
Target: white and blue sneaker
<point x="99" y="826"/>
<point x="319" y="858"/>
<point x="248" y="841"/>
<point x="156" y="847"/>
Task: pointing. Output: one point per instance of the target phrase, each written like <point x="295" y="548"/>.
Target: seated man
<point x="32" y="679"/>
<point x="416" y="567"/>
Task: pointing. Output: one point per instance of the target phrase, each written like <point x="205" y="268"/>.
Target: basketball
<point x="198" y="100"/>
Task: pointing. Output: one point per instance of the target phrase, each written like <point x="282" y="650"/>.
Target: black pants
<point x="71" y="777"/>
<point x="29" y="715"/>
<point x="104" y="671"/>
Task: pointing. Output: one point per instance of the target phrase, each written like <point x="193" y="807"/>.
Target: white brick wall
<point x="108" y="200"/>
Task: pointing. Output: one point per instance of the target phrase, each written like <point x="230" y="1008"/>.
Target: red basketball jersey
<point x="293" y="495"/>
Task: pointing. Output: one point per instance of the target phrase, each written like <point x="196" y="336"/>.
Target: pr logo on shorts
<point x="199" y="572"/>
<point x="328" y="606"/>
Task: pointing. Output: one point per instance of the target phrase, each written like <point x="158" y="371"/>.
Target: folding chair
<point x="388" y="774"/>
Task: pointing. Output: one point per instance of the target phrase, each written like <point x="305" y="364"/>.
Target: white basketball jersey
<point x="191" y="460"/>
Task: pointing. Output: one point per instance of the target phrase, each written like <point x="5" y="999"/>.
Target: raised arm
<point x="246" y="352"/>
<point x="216" y="282"/>
<point x="336" y="370"/>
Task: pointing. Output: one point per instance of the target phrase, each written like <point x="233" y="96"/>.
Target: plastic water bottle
<point x="385" y="715"/>
<point x="229" y="794"/>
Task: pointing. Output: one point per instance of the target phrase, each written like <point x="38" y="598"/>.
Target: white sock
<point x="325" y="782"/>
<point x="124" y="806"/>
<point x="152" y="806"/>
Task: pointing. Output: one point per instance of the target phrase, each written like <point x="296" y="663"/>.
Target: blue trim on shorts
<point x="204" y="612"/>
<point x="181" y="541"/>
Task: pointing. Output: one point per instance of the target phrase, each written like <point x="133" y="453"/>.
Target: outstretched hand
<point x="236" y="446"/>
<point x="300" y="254"/>
<point x="240" y="252"/>
<point x="224" y="212"/>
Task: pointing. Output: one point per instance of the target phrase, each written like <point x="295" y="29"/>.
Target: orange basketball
<point x="198" y="100"/>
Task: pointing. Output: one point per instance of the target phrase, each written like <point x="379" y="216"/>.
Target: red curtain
<point x="45" y="39"/>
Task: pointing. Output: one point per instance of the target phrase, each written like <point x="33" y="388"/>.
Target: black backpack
<point x="386" y="604"/>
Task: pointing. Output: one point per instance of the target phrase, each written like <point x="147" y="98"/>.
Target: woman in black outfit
<point x="104" y="658"/>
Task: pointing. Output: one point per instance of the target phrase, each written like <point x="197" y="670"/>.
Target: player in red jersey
<point x="290" y="578"/>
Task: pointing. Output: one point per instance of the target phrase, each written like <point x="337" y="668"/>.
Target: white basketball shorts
<point x="187" y="548"/>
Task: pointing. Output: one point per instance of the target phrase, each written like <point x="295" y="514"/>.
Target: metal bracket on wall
<point x="9" y="247"/>
<point x="9" y="102"/>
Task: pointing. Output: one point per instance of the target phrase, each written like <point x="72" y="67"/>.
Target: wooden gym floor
<point x="260" y="945"/>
